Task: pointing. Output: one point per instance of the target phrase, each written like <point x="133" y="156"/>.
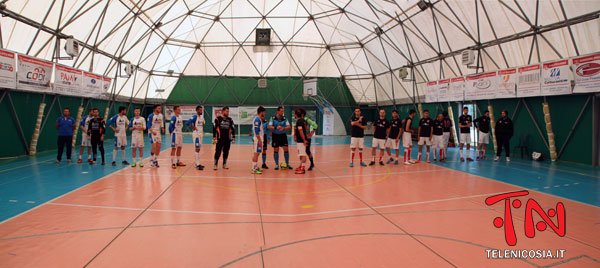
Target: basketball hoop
<point x="305" y="97"/>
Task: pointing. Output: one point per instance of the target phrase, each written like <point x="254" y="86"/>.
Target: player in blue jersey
<point x="265" y="143"/>
<point x="175" y="127"/>
<point x="137" y="125"/>
<point x="118" y="124"/>
<point x="197" y="125"/>
<point x="156" y="128"/>
<point x="258" y="133"/>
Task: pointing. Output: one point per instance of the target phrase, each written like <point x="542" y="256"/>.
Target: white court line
<point x="280" y="215"/>
<point x="288" y="179"/>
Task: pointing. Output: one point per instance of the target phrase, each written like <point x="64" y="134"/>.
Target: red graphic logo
<point x="530" y="207"/>
<point x="588" y="69"/>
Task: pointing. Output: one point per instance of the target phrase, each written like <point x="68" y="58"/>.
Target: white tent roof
<point x="324" y="38"/>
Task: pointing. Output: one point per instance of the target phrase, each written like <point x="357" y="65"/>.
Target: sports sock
<point x="173" y="159"/>
<point x="114" y="155"/>
<point x="197" y="158"/>
<point x="178" y="158"/>
<point x="254" y="165"/>
<point x="352" y="158"/>
<point x="312" y="161"/>
<point x="89" y="156"/>
<point x="264" y="158"/>
<point x="408" y="154"/>
<point x="461" y="153"/>
<point x="276" y="157"/>
<point x="405" y="153"/>
<point x="122" y="154"/>
<point x="286" y="156"/>
<point x="372" y="158"/>
<point x="380" y="158"/>
<point x="468" y="153"/>
<point x="360" y="155"/>
<point x="79" y="157"/>
<point x="419" y="157"/>
<point x="441" y="152"/>
<point x="482" y="153"/>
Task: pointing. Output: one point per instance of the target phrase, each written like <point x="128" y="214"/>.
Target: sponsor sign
<point x="444" y="90"/>
<point x="481" y="86"/>
<point x="34" y="74"/>
<point x="507" y="84"/>
<point x="556" y="78"/>
<point x="457" y="89"/>
<point x="528" y="82"/>
<point x="431" y="92"/>
<point x="92" y="84"/>
<point x="8" y="69"/>
<point x="67" y="81"/>
<point x="586" y="71"/>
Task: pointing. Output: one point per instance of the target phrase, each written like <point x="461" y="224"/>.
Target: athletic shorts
<point x="378" y="143"/>
<point x="446" y="140"/>
<point x="197" y="141"/>
<point x="279" y="140"/>
<point x="484" y="138"/>
<point x="85" y="140"/>
<point x="438" y="141"/>
<point x="424" y="140"/>
<point x="137" y="141"/>
<point x="406" y="139"/>
<point x="120" y="141"/>
<point x="465" y="138"/>
<point x="301" y="149"/>
<point x="176" y="140"/>
<point x="392" y="143"/>
<point x="255" y="147"/>
<point x="357" y="143"/>
<point x="155" y="138"/>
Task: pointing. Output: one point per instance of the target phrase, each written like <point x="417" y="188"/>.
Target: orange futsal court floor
<point x="422" y="215"/>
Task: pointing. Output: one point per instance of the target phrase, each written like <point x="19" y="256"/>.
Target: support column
<point x="106" y="113"/>
<point x="451" y="115"/>
<point x="493" y="125"/>
<point x="77" y="122"/>
<point x="551" y="142"/>
<point x="37" y="129"/>
<point x="420" y="108"/>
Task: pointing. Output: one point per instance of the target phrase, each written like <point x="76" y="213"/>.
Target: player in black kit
<point x="223" y="136"/>
<point x="96" y="128"/>
<point x="393" y="140"/>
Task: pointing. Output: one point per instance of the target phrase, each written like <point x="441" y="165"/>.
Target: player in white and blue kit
<point x="258" y="133"/>
<point x="197" y="125"/>
<point x="137" y="125"/>
<point x="85" y="139"/>
<point x="118" y="124"/>
<point x="155" y="130"/>
<point x="175" y="127"/>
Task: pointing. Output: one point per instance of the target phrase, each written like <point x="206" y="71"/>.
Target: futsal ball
<point x="283" y="166"/>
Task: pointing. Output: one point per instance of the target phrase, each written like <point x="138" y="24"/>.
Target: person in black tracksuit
<point x="504" y="131"/>
<point x="223" y="136"/>
<point x="96" y="128"/>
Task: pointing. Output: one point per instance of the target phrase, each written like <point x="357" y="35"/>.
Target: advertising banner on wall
<point x="556" y="78"/>
<point x="106" y="85"/>
<point x="586" y="71"/>
<point x="431" y="92"/>
<point x="93" y="84"/>
<point x="443" y="90"/>
<point x="34" y="74"/>
<point x="247" y="114"/>
<point x="529" y="82"/>
<point x="507" y="84"/>
<point x="8" y="69"/>
<point x="457" y="89"/>
<point x="234" y="113"/>
<point x="481" y="86"/>
<point x="67" y="81"/>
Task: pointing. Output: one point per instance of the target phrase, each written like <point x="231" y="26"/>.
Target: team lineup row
<point x="387" y="133"/>
<point x="431" y="132"/>
<point x="94" y="128"/>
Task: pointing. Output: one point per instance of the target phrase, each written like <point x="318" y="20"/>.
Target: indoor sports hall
<point x="300" y="133"/>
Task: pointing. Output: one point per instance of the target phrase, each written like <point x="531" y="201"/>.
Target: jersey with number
<point x="198" y="122"/>
<point x="257" y="128"/>
<point x="120" y="122"/>
<point x="139" y="124"/>
<point x="155" y="122"/>
<point x="176" y="125"/>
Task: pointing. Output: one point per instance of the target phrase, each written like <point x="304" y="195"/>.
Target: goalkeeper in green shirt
<point x="313" y="129"/>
